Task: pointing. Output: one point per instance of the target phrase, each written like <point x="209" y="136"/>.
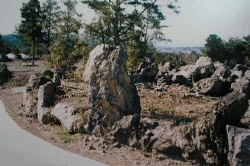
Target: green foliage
<point x="215" y="48"/>
<point x="30" y="28"/>
<point x="7" y="47"/>
<point x="134" y="24"/>
<point x="65" y="48"/>
<point x="51" y="11"/>
<point x="230" y="52"/>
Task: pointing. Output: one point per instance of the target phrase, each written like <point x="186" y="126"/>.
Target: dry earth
<point x="173" y="105"/>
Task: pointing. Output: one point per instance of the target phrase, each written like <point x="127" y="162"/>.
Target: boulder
<point x="11" y="56"/>
<point x="184" y="74"/>
<point x="5" y="74"/>
<point x="112" y="93"/>
<point x="211" y="86"/>
<point x="210" y="130"/>
<point x="147" y="70"/>
<point x="30" y="101"/>
<point x="125" y="130"/>
<point x="241" y="85"/>
<point x="71" y="116"/>
<point x="175" y="142"/>
<point x="221" y="72"/>
<point x="204" y="68"/>
<point x="247" y="74"/>
<point x="238" y="146"/>
<point x="45" y="100"/>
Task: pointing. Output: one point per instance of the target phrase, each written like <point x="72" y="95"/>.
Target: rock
<point x="247" y="74"/>
<point x="210" y="129"/>
<point x="187" y="74"/>
<point x="211" y="86"/>
<point x="48" y="73"/>
<point x="30" y="101"/>
<point x="147" y="70"/>
<point x="221" y="72"/>
<point x="5" y="74"/>
<point x="204" y="68"/>
<point x="71" y="116"/>
<point x="240" y="67"/>
<point x="43" y="115"/>
<point x="45" y="100"/>
<point x="175" y="143"/>
<point x="11" y="56"/>
<point x="32" y="81"/>
<point x="112" y="94"/>
<point x="231" y="108"/>
<point x="238" y="146"/>
<point x="46" y="95"/>
<point x="36" y="80"/>
<point x="241" y="85"/>
<point x="184" y="76"/>
<point x="126" y="129"/>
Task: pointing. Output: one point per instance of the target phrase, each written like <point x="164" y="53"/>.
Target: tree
<point x="235" y="49"/>
<point x="67" y="37"/>
<point x="134" y="24"/>
<point x="52" y="12"/>
<point x="215" y="48"/>
<point x="31" y="25"/>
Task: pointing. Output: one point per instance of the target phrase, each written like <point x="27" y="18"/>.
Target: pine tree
<point x="52" y="12"/>
<point x="68" y="27"/>
<point x="31" y="25"/>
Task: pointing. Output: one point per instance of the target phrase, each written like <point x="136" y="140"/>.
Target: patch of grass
<point x="64" y="135"/>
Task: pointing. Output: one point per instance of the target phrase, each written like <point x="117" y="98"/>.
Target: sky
<point x="195" y="22"/>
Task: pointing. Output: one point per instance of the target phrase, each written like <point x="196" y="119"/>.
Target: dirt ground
<point x="172" y="105"/>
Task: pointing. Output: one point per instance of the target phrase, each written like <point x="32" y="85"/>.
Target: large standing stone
<point x="238" y="146"/>
<point x="112" y="94"/>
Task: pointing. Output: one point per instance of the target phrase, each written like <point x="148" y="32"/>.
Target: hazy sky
<point x="196" y="20"/>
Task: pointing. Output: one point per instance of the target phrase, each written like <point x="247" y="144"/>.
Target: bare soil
<point x="172" y="105"/>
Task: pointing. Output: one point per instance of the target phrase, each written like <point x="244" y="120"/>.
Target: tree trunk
<point x="33" y="51"/>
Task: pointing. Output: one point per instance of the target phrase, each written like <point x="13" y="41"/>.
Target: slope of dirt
<point x="172" y="105"/>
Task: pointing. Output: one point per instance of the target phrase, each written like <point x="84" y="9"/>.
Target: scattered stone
<point x="238" y="145"/>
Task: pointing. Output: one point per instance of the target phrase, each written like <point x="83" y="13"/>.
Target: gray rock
<point x="46" y="95"/>
<point x="187" y="74"/>
<point x="211" y="86"/>
<point x="221" y="72"/>
<point x="247" y="74"/>
<point x="30" y="101"/>
<point x="112" y="94"/>
<point x="125" y="130"/>
<point x="147" y="70"/>
<point x="45" y="100"/>
<point x="241" y="85"/>
<point x="205" y="68"/>
<point x="72" y="117"/>
<point x="238" y="146"/>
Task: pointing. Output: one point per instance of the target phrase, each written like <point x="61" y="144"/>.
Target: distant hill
<point x="13" y="39"/>
<point x="186" y="50"/>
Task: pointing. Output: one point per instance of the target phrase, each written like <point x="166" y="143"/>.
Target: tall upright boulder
<point x="112" y="94"/>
